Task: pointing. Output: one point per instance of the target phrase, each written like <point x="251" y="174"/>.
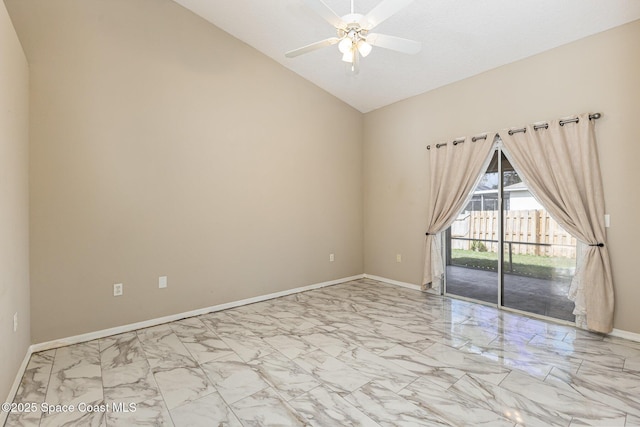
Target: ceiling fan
<point x="353" y="36"/>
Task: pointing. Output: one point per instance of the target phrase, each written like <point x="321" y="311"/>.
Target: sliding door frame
<point x="446" y="238"/>
<point x="498" y="152"/>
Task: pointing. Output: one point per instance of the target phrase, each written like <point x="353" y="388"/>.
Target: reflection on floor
<point x="539" y="296"/>
<point x="360" y="353"/>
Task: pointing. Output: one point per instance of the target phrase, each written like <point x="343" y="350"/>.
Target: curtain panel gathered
<point x="560" y="165"/>
<point x="455" y="171"/>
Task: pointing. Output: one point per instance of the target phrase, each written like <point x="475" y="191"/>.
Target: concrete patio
<point x="539" y="296"/>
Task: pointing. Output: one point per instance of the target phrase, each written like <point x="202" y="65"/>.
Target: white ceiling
<point x="460" y="38"/>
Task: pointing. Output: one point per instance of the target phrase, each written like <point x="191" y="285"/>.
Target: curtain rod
<point x="458" y="141"/>
<point x="594" y="116"/>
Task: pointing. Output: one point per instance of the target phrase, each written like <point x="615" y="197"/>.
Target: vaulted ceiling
<point x="460" y="38"/>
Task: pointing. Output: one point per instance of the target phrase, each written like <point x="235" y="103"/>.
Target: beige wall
<point x="14" y="203"/>
<point x="599" y="73"/>
<point x="161" y="145"/>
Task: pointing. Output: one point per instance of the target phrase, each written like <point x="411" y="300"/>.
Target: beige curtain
<point x="561" y="168"/>
<point x="454" y="173"/>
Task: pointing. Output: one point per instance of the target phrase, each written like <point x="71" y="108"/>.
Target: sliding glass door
<point x="539" y="256"/>
<point x="472" y="255"/>
<point x="505" y="249"/>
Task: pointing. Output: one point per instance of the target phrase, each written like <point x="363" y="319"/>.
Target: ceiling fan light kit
<point x="353" y="36"/>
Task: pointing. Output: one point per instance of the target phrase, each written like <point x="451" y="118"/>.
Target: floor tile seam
<point x="488" y="346"/>
<point x="190" y="356"/>
<point x="634" y="345"/>
<point x="576" y="381"/>
<point x="579" y="366"/>
<point x="433" y="342"/>
<point x="447" y="365"/>
<point x="102" y="380"/>
<point x="22" y="381"/>
<point x="569" y="384"/>
<point x="425" y="405"/>
<point x="541" y="337"/>
<point x="328" y="387"/>
<point x="44" y="398"/>
<point x="169" y="410"/>
<point x="581" y="399"/>
<point x="281" y="398"/>
<point x="193" y="356"/>
<point x="626" y="420"/>
<point x="273" y="386"/>
<point x="231" y="410"/>
<point x="226" y="404"/>
<point x="173" y="422"/>
<point x="302" y="354"/>
<point x="634" y="374"/>
<point x="589" y="400"/>
<point x="498" y="352"/>
<point x="310" y="372"/>
<point x="397" y="394"/>
<point x="203" y="329"/>
<point x="202" y="375"/>
<point x="158" y="390"/>
<point x="418" y="377"/>
<point x="518" y="372"/>
<point x="209" y="326"/>
<point x="526" y="398"/>
<point x="355" y="345"/>
<point x="153" y="374"/>
<point x="484" y="403"/>
<point x="320" y="385"/>
<point x="590" y="356"/>
<point x="46" y="392"/>
<point x="439" y="366"/>
<point x="213" y="383"/>
<point x="376" y="378"/>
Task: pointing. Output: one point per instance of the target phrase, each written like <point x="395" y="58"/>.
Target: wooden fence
<point x="534" y="227"/>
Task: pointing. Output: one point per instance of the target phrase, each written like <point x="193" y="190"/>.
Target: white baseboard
<point x="392" y="282"/>
<point x="158" y="321"/>
<point x="631" y="336"/>
<point x="171" y="318"/>
<point x="16" y="384"/>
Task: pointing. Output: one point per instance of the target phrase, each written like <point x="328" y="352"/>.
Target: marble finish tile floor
<point x="361" y="353"/>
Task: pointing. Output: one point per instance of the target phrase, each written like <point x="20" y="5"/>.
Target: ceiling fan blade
<point x="311" y="47"/>
<point x="326" y="12"/>
<point x="382" y="11"/>
<point x="394" y="43"/>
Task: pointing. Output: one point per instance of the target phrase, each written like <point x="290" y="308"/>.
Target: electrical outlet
<point x="607" y="220"/>
<point x="162" y="282"/>
<point x="117" y="289"/>
<point x="332" y="257"/>
<point x="398" y="257"/>
<point x="15" y="322"/>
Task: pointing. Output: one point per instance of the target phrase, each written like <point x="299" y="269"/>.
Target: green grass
<point x="541" y="267"/>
